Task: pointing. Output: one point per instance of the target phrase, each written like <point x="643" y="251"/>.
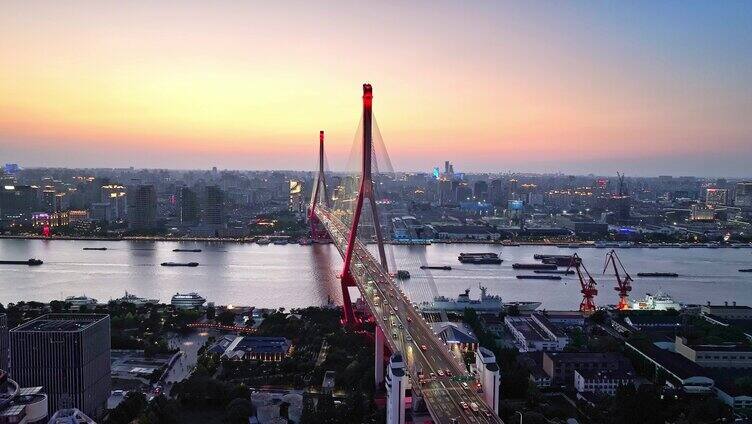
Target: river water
<point x="295" y="276"/>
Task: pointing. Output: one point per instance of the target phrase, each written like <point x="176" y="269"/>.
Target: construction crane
<point x="623" y="283"/>
<point x="587" y="285"/>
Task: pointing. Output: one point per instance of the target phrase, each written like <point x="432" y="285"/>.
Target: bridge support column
<point x="347" y="281"/>
<point x="379" y="356"/>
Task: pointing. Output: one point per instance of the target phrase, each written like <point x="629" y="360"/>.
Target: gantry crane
<point x="623" y="283"/>
<point x="587" y="285"/>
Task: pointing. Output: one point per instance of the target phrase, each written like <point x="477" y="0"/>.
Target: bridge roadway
<point x="406" y="331"/>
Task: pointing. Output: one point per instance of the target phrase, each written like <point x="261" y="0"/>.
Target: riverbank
<point x="600" y="244"/>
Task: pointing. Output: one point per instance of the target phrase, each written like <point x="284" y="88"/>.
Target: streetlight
<point x="518" y="412"/>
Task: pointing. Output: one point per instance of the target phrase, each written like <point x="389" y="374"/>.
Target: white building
<point x="604" y="382"/>
<point x="396" y="383"/>
<point x="536" y="333"/>
<point x="489" y="377"/>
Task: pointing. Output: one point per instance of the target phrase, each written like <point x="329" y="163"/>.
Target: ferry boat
<point x="187" y="300"/>
<point x="658" y="302"/>
<point x="486" y="304"/>
<point x="77" y="302"/>
<point x="138" y="301"/>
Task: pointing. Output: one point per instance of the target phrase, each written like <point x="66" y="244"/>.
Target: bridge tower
<point x="318" y="190"/>
<point x="366" y="190"/>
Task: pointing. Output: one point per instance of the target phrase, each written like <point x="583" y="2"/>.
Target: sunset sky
<point x="643" y="87"/>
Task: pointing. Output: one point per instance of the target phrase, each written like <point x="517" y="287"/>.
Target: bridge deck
<point x="406" y="331"/>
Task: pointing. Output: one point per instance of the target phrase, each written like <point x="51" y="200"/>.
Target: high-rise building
<point x="396" y="382"/>
<point x="18" y="201"/>
<point x="497" y="194"/>
<point x="214" y="212"/>
<point x="68" y="355"/>
<point x="716" y="197"/>
<point x="3" y="342"/>
<point x="480" y="191"/>
<point x="142" y="208"/>
<point x="189" y="210"/>
<point x="489" y="377"/>
<point x="445" y="192"/>
<point x="743" y="195"/>
<point x="48" y="199"/>
<point x="115" y="195"/>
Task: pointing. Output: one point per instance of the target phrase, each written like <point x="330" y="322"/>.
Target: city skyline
<point x="571" y="88"/>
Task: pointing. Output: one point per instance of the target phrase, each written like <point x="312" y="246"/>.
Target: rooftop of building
<point x="675" y="363"/>
<point x="453" y="332"/>
<point x="584" y="356"/>
<point x="618" y="374"/>
<point x="70" y="416"/>
<point x="59" y="323"/>
<point x="260" y="344"/>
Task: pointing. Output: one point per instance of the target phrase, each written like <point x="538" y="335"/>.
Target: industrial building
<point x="535" y="333"/>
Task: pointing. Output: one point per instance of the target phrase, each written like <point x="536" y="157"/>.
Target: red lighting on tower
<point x="365" y="191"/>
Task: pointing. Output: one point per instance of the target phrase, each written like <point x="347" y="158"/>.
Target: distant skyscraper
<point x="445" y="192"/>
<point x="68" y="355"/>
<point x="214" y="206"/>
<point x="115" y="195"/>
<point x="497" y="193"/>
<point x="18" y="201"/>
<point x="743" y="195"/>
<point x="480" y="191"/>
<point x="189" y="210"/>
<point x="142" y="208"/>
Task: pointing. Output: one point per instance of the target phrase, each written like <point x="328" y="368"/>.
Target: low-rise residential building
<point x="536" y="332"/>
<point x="602" y="382"/>
<point x="731" y="355"/>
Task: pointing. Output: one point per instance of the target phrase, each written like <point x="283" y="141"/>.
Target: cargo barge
<point x="539" y="277"/>
<point x="29" y="262"/>
<point x="534" y="266"/>
<point x="479" y="258"/>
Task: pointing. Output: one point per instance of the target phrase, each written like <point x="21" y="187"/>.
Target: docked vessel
<point x="479" y="258"/>
<point x="538" y="277"/>
<point x="402" y="275"/>
<point x="534" y="266"/>
<point x="263" y="240"/>
<point x="658" y="302"/>
<point x="135" y="300"/>
<point x="558" y="260"/>
<point x="30" y="262"/>
<point x="187" y="300"/>
<point x="77" y="302"/>
<point x="179" y="264"/>
<point x="187" y="250"/>
<point x="94" y="248"/>
<point x="486" y="304"/>
<point x="442" y="267"/>
<point x="657" y="274"/>
<point x="554" y="271"/>
<point x="305" y="242"/>
<point x="280" y="242"/>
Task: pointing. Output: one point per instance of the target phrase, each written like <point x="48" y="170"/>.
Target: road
<point x="434" y="371"/>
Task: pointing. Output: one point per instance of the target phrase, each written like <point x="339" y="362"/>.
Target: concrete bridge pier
<point x="378" y="355"/>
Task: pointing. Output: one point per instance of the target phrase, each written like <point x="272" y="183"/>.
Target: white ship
<point x="487" y="303"/>
<point x="187" y="300"/>
<point x="77" y="302"/>
<point x="138" y="301"/>
<point x="657" y="302"/>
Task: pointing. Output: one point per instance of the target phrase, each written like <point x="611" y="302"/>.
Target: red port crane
<point x="587" y="285"/>
<point x="623" y="283"/>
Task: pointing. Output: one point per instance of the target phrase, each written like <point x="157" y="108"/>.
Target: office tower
<point x="743" y="195"/>
<point x="496" y="193"/>
<point x="716" y="196"/>
<point x="3" y="342"/>
<point x="444" y="192"/>
<point x="396" y="380"/>
<point x="18" y="201"/>
<point x="214" y="208"/>
<point x="116" y="196"/>
<point x="463" y="192"/>
<point x="480" y="191"/>
<point x="188" y="206"/>
<point x="68" y="355"/>
<point x="142" y="208"/>
<point x="489" y="377"/>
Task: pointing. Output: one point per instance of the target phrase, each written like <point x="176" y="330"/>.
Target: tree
<point x="211" y="312"/>
<point x="161" y="411"/>
<point x="226" y="318"/>
<point x="130" y="408"/>
<point x="238" y="411"/>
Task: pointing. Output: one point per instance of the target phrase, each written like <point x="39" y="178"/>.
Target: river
<point x="295" y="276"/>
